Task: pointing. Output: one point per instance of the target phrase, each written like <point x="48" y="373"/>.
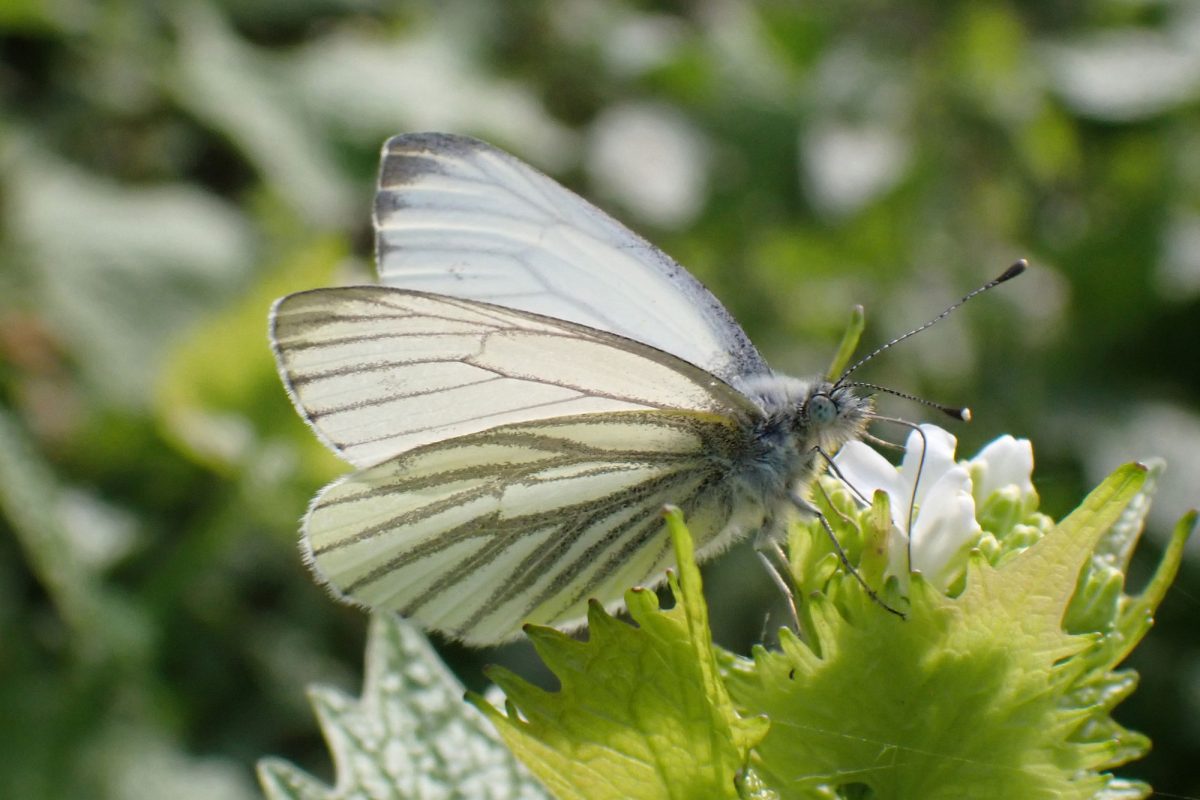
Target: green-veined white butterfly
<point x="526" y="390"/>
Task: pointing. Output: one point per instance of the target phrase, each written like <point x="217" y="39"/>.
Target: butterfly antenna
<point x="1008" y="274"/>
<point x="960" y="413"/>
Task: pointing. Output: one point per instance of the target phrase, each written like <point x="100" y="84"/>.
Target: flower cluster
<point x="943" y="508"/>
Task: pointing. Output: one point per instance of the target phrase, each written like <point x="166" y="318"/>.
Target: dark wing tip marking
<point x="433" y="141"/>
<point x="410" y="155"/>
<point x="401" y="170"/>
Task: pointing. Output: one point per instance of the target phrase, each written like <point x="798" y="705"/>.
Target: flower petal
<point x="1003" y="462"/>
<point x="866" y="470"/>
<point x="946" y="529"/>
<point x="938" y="447"/>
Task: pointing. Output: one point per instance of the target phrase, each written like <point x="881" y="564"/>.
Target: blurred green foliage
<point x="168" y="169"/>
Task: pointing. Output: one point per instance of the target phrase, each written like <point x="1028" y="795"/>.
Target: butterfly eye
<point x="821" y="409"/>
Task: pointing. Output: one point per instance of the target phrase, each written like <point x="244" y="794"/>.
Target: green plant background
<point x="168" y="169"/>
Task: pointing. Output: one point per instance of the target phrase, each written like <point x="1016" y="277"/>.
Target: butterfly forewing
<point x="378" y="371"/>
<point x="456" y="216"/>
<point x="475" y="535"/>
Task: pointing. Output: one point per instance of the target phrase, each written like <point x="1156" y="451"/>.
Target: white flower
<point x="1003" y="465"/>
<point x="944" y="527"/>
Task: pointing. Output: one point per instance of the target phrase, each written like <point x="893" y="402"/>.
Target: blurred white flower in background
<point x="1145" y="430"/>
<point x="639" y="43"/>
<point x="855" y="146"/>
<point x="1130" y="73"/>
<point x="945" y="526"/>
<point x="1177" y="273"/>
<point x="372" y="86"/>
<point x="848" y="166"/>
<point x="652" y="160"/>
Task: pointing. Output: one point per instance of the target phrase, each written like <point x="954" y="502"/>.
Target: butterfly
<point x="522" y="394"/>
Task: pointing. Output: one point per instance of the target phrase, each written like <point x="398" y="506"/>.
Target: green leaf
<point x="105" y="626"/>
<point x="854" y="331"/>
<point x="641" y="712"/>
<point x="120" y="270"/>
<point x="232" y="86"/>
<point x="410" y="736"/>
<point x="980" y="695"/>
<point x="223" y="367"/>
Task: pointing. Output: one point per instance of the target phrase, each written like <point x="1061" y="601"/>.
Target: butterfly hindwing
<point x="473" y="536"/>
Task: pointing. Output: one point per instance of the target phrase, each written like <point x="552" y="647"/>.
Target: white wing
<point x="456" y="216"/>
<point x="476" y="535"/>
<point x="377" y="371"/>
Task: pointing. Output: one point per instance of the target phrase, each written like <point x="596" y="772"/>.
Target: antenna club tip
<point x="960" y="414"/>
<point x="1019" y="266"/>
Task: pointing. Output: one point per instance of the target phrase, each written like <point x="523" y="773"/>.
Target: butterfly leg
<point x="766" y="544"/>
<point x="832" y="466"/>
<point x="808" y="508"/>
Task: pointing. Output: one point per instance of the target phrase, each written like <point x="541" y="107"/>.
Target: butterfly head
<point x="830" y="415"/>
<point x="812" y="413"/>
